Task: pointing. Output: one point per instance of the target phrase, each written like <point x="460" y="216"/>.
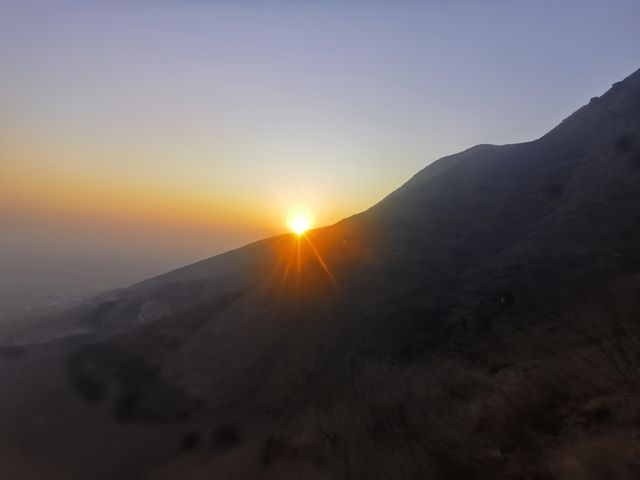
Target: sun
<point x="300" y="223"/>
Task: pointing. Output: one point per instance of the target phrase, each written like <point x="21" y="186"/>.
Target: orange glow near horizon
<point x="300" y="223"/>
<point x="67" y="187"/>
<point x="48" y="192"/>
<point x="92" y="196"/>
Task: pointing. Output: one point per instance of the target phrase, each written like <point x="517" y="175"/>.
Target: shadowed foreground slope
<point x="479" y="322"/>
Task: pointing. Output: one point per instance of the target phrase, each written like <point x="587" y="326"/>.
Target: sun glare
<point x="300" y="223"/>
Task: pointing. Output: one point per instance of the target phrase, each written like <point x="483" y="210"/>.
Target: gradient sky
<point x="139" y="135"/>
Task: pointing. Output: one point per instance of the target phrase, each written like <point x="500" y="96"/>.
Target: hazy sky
<point x="137" y="135"/>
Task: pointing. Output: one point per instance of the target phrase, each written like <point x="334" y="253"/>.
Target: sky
<point x="140" y="135"/>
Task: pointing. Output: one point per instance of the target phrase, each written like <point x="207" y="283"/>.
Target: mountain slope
<point x="480" y="321"/>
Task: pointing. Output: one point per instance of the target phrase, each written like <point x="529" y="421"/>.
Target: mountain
<point x="482" y="321"/>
